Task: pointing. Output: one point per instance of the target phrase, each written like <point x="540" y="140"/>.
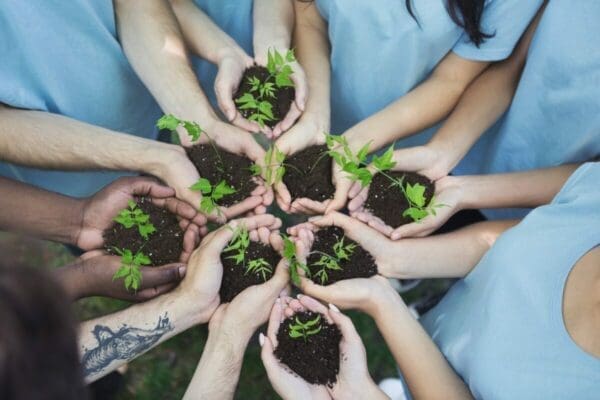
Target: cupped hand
<point x="92" y="275"/>
<point x="99" y="211"/>
<point x="286" y="383"/>
<point x="307" y="132"/>
<point x="205" y="270"/>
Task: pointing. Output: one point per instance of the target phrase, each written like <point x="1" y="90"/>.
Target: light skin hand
<point x="99" y="211"/>
<point x="92" y="275"/>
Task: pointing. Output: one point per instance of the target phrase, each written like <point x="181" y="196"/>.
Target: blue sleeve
<point x="506" y="20"/>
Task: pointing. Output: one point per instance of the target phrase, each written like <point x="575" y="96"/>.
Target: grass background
<point x="165" y="371"/>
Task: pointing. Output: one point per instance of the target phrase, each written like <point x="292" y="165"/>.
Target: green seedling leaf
<point x="385" y="162"/>
<point x="416" y="194"/>
<point x="416" y="214"/>
<point x="130" y="268"/>
<point x="171" y="123"/>
<point x="203" y="186"/>
<point x="134" y="216"/>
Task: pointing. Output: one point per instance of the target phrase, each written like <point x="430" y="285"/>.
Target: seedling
<point x="130" y="268"/>
<point x="354" y="164"/>
<point x="276" y="166"/>
<point x="239" y="245"/>
<point x="329" y="262"/>
<point x="211" y="193"/>
<point x="134" y="216"/>
<point x="257" y="98"/>
<point x="289" y="253"/>
<point x="304" y="330"/>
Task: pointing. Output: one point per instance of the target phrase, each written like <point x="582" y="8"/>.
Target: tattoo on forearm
<point x="125" y="344"/>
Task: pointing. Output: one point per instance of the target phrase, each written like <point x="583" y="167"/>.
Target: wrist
<point x="159" y="160"/>
<point x="445" y="154"/>
<point x="71" y="279"/>
<point x="261" y="52"/>
<point x="383" y="302"/>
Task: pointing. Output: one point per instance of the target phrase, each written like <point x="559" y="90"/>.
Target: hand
<point x="385" y="252"/>
<point x="205" y="271"/>
<point x="99" y="211"/>
<point x="92" y="275"/>
<point x="287" y="384"/>
<point x="307" y="132"/>
<point x="448" y="194"/>
<point x="232" y="65"/>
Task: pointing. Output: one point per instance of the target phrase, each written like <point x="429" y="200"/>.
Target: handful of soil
<point x="216" y="165"/>
<point x="315" y="358"/>
<point x="387" y="202"/>
<point x="308" y="174"/>
<point x="164" y="246"/>
<point x="280" y="102"/>
<point x="235" y="276"/>
<point x="360" y="263"/>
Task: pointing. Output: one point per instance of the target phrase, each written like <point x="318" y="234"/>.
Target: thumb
<point x="368" y="238"/>
<point x="341" y="196"/>
<point x="279" y="279"/>
<point x="344" y="323"/>
<point x="266" y="354"/>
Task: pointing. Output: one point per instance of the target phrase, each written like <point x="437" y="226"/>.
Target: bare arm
<point x="273" y="26"/>
<point x="154" y="46"/>
<point x="420" y="108"/>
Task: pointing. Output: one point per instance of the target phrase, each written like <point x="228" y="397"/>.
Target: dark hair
<point x="466" y="14"/>
<point x="38" y="342"/>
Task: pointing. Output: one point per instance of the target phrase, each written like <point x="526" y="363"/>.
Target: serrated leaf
<point x="141" y="259"/>
<point x="266" y="109"/>
<point x="203" y="186"/>
<point x="416" y="194"/>
<point x="361" y="156"/>
<point x="122" y="272"/>
<point x="207" y="205"/>
<point x="193" y="130"/>
<point x="169" y="122"/>
<point x="415" y="213"/>
<point x="385" y="163"/>
<point x="221" y="190"/>
<point x="146" y="230"/>
<point x="290" y="56"/>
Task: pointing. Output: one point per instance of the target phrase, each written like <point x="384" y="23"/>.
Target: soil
<point x="308" y="174"/>
<point x="235" y="279"/>
<point x="360" y="265"/>
<point x="316" y="360"/>
<point x="388" y="203"/>
<point x="281" y="103"/>
<point x="221" y="165"/>
<point x="163" y="246"/>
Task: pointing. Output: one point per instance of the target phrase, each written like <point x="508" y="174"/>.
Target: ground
<point x="165" y="371"/>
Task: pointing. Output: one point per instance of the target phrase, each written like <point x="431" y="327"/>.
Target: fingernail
<point x="182" y="270"/>
<point x="299" y="296"/>
<point x="261" y="339"/>
<point x="277" y="300"/>
<point x="333" y="308"/>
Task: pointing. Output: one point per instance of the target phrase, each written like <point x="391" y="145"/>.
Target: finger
<point x="355" y="190"/>
<point x="317" y="291"/>
<point x="259" y="190"/>
<point x="254" y="236"/>
<point x="225" y="84"/>
<point x="275" y="321"/>
<point x="157" y="276"/>
<point x="276" y="241"/>
<point x="149" y="187"/>
<point x="151" y="293"/>
<point x="302" y="250"/>
<point x="363" y="234"/>
<point x="415" y="229"/>
<point x="284" y="198"/>
<point x="91" y="254"/>
<point x="380" y="226"/>
<point x="340" y="197"/>
<point x="294" y="230"/>
<point x="259" y="210"/>
<point x="279" y="279"/>
<point x="268" y="358"/>
<point x="175" y="206"/>
<point x="306" y="237"/>
<point x="242" y="123"/>
<point x="264" y="234"/>
<point x="301" y="86"/>
<point x="244" y="206"/>
<point x="191" y="238"/>
<point x="312" y="205"/>
<point x="315" y="306"/>
<point x="296" y="306"/>
<point x="359" y="200"/>
<point x="344" y="323"/>
<point x="289" y="119"/>
<point x="268" y="196"/>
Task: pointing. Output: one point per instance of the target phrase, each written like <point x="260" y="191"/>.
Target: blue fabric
<point x="501" y="327"/>
<point x="234" y="17"/>
<point x="64" y="57"/>
<point x="379" y="52"/>
<point x="555" y="114"/>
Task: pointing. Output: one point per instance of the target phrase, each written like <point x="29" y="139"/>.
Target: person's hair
<point x="38" y="341"/>
<point x="466" y="14"/>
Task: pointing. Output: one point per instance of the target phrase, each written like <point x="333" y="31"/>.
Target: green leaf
<point x="290" y="56"/>
<point x="416" y="194"/>
<point x="295" y="334"/>
<point x="278" y="58"/>
<point x="146" y="230"/>
<point x="363" y="152"/>
<point x="271" y="67"/>
<point x="313" y="322"/>
<point x="122" y="272"/>
<point x="266" y="109"/>
<point x="169" y="122"/>
<point x="416" y="214"/>
<point x="127" y="257"/>
<point x="203" y="186"/>
<point x="128" y="281"/>
<point x="193" y="130"/>
<point x="141" y="259"/>
<point x="221" y="190"/>
<point x="125" y="220"/>
<point x="207" y="205"/>
<point x="385" y="163"/>
<point x="255" y="169"/>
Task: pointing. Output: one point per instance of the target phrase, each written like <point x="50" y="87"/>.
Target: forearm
<point x="203" y="37"/>
<point x="44" y="140"/>
<point x="218" y="371"/>
<point x="31" y="211"/>
<point x="273" y="26"/>
<point x="108" y="342"/>
<point x="519" y="189"/>
<point x="312" y="50"/>
<point x="449" y="255"/>
<point x="154" y="46"/>
<point x="420" y="108"/>
<point x="424" y="368"/>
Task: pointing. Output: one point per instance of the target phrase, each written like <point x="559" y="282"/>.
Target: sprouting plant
<point x="239" y="244"/>
<point x="130" y="267"/>
<point x="134" y="216"/>
<point x="289" y="253"/>
<point x="171" y="123"/>
<point x="355" y="166"/>
<point x="329" y="262"/>
<point x="257" y="98"/>
<point x="303" y="330"/>
<point x="211" y="194"/>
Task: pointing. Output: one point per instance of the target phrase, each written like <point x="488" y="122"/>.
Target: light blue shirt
<point x="501" y="327"/>
<point x="64" y="57"/>
<point x="379" y="52"/>
<point x="554" y="117"/>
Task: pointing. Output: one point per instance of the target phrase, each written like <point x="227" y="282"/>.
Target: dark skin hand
<point x="99" y="210"/>
<point x="92" y="275"/>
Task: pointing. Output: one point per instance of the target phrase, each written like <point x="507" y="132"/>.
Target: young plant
<point x="306" y="329"/>
<point x="171" y="123"/>
<point x="130" y="268"/>
<point x="239" y="245"/>
<point x="289" y="253"/>
<point x="355" y="166"/>
<point x="257" y="98"/>
<point x="328" y="262"/>
<point x="134" y="216"/>
<point x="211" y="194"/>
